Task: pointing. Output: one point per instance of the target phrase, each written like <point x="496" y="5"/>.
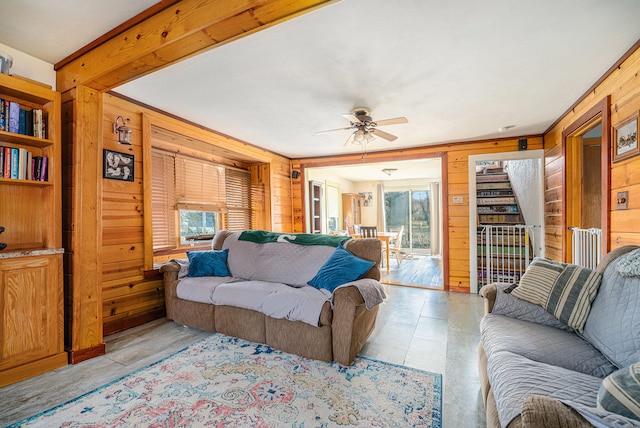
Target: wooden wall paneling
<point x="170" y="35"/>
<point x="260" y="203"/>
<point x="127" y="295"/>
<point x="83" y="164"/>
<point x="621" y="85"/>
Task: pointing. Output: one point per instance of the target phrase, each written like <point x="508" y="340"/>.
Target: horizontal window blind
<point x="163" y="200"/>
<point x="199" y="181"/>
<point x="238" y="197"/>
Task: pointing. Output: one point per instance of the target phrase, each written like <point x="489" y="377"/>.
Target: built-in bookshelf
<point x="31" y="275"/>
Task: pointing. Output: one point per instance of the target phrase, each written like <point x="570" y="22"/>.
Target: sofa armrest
<point x="170" y="272"/>
<point x="352" y="324"/>
<point x="489" y="293"/>
<point x="540" y="411"/>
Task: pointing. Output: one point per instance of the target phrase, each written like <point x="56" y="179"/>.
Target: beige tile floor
<point x="425" y="329"/>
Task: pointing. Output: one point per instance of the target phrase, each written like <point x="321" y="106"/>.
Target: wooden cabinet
<point x="31" y="289"/>
<point x="32" y="323"/>
<point x="351" y="210"/>
<point x="315" y="206"/>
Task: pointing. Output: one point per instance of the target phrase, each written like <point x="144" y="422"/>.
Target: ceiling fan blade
<point x="352" y="118"/>
<point x="394" y="121"/>
<point x="332" y="130"/>
<point x="385" y="135"/>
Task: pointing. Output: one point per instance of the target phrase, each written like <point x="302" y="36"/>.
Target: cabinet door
<point x="31" y="308"/>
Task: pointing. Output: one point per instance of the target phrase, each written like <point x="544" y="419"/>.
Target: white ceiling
<point x="458" y="70"/>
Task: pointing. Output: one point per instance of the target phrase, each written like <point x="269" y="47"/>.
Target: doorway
<point x="391" y="194"/>
<point x="586" y="147"/>
<point x="528" y="174"/>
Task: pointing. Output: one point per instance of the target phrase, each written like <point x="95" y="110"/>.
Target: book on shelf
<point x="15" y="154"/>
<point x="1" y="162"/>
<point x="7" y="162"/>
<point x="44" y="172"/>
<point x="3" y="116"/>
<point x="14" y="117"/>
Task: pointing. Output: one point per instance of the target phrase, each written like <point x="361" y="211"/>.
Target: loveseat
<point x="264" y="296"/>
<point x="562" y="347"/>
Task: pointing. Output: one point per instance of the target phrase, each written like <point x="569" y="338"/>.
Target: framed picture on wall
<point x="117" y="166"/>
<point x="625" y="138"/>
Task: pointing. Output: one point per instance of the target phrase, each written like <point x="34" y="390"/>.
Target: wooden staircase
<point x="504" y="247"/>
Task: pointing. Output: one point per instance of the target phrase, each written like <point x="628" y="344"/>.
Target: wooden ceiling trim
<point x="174" y="33"/>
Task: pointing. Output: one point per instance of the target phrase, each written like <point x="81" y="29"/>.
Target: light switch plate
<point x="622" y="201"/>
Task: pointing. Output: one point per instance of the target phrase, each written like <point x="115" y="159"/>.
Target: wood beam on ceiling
<point x="179" y="31"/>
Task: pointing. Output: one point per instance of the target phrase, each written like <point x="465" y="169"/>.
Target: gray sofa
<point x="536" y="371"/>
<point x="265" y="299"/>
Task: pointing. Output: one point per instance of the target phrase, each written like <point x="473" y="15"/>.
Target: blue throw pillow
<point x="208" y="263"/>
<point x="342" y="267"/>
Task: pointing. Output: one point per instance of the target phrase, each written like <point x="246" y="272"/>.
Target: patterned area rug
<point x="224" y="381"/>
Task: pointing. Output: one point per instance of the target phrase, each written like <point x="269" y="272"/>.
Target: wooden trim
<point x="593" y="87"/>
<point x="126" y="323"/>
<point x="153" y="274"/>
<point x="147" y="190"/>
<point x="81" y="355"/>
<point x="142" y="16"/>
<point x="410" y="153"/>
<point x="603" y="110"/>
<point x="444" y="223"/>
<point x="170" y="34"/>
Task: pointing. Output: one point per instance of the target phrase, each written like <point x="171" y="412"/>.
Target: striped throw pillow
<point x="536" y="283"/>
<point x="564" y="290"/>
<point x="620" y="392"/>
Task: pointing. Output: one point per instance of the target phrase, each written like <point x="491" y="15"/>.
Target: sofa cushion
<point x="208" y="263"/>
<point x="342" y="267"/>
<point x="620" y="392"/>
<point x="613" y="325"/>
<point x="280" y="262"/>
<point x="276" y="300"/>
<point x="513" y="378"/>
<point x="564" y="290"/>
<point x="513" y="307"/>
<point x="200" y="289"/>
<point x="542" y="343"/>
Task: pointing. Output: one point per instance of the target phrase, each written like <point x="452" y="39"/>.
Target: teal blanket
<point x="261" y="237"/>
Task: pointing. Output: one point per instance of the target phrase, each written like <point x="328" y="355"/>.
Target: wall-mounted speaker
<point x="294" y="174"/>
<point x="522" y="144"/>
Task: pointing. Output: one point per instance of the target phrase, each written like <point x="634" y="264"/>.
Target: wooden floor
<point x="426" y="329"/>
<point x="415" y="271"/>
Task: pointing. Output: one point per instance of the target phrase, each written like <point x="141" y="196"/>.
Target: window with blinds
<point x="163" y="200"/>
<point x="238" y="187"/>
<point x="188" y="196"/>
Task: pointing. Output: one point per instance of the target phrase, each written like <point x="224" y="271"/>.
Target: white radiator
<point x="586" y="247"/>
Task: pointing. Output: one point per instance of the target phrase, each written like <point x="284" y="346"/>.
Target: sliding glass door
<point x="411" y="209"/>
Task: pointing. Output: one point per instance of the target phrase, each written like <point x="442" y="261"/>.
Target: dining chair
<point x="395" y="246"/>
<point x="368" y="231"/>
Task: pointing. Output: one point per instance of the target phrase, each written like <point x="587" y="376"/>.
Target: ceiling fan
<point x="365" y="129"/>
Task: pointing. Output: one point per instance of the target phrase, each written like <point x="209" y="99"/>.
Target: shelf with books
<point x="31" y="217"/>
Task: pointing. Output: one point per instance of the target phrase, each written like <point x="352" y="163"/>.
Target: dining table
<point x="384" y="237"/>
